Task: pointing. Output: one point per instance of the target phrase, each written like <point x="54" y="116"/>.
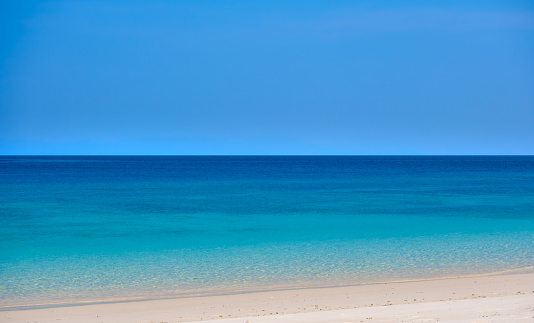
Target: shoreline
<point x="484" y="288"/>
<point x="133" y="299"/>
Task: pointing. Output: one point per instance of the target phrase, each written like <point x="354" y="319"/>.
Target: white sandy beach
<point x="491" y="298"/>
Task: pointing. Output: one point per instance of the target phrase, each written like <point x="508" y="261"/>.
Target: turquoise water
<point x="90" y="228"/>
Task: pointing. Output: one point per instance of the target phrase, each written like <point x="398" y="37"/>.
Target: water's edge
<point x="119" y="300"/>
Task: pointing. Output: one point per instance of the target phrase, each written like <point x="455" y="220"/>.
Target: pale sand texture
<point x="493" y="298"/>
<point x="516" y="308"/>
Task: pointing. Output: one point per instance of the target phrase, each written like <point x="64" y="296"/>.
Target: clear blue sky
<point x="267" y="77"/>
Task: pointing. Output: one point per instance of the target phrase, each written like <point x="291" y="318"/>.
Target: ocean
<point x="110" y="228"/>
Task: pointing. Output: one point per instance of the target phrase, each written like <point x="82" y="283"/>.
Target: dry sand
<point x="490" y="298"/>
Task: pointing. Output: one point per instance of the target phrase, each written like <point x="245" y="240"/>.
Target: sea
<point x="82" y="229"/>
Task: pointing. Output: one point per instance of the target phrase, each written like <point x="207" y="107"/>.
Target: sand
<point x="490" y="298"/>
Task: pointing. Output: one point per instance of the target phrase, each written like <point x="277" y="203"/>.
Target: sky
<point x="267" y="77"/>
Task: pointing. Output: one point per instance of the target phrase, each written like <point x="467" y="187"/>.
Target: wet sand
<point x="505" y="297"/>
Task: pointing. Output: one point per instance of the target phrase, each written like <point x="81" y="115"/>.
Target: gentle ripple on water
<point x="89" y="228"/>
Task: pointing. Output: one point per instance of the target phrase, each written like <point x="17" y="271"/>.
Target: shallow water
<point x="75" y="228"/>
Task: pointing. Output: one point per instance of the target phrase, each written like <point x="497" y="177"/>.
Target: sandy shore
<point x="491" y="298"/>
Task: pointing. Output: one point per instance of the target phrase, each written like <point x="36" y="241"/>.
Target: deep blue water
<point x="91" y="227"/>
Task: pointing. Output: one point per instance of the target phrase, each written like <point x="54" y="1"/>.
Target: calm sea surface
<point x="89" y="228"/>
